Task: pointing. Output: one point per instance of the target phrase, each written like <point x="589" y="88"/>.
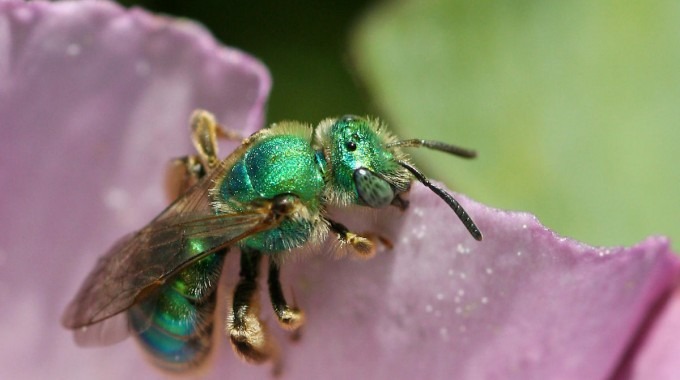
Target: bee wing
<point x="140" y="263"/>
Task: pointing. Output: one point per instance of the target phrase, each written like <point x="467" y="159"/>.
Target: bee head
<point x="362" y="169"/>
<point x="365" y="165"/>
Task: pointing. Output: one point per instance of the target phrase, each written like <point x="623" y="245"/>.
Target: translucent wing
<point x="141" y="262"/>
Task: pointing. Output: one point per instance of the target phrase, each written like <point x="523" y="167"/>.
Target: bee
<point x="267" y="198"/>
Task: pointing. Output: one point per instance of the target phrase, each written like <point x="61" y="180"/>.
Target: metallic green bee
<point x="268" y="197"/>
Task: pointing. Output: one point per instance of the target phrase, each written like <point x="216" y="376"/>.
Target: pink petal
<point x="94" y="101"/>
<point x="657" y="356"/>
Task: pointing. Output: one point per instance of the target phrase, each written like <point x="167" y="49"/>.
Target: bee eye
<point x="372" y="190"/>
<point x="351" y="146"/>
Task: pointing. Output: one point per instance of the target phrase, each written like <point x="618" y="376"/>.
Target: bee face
<point x="363" y="169"/>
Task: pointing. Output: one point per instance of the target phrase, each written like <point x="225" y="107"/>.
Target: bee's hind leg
<point x="249" y="336"/>
<point x="290" y="318"/>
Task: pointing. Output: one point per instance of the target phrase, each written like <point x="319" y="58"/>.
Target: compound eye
<point x="373" y="191"/>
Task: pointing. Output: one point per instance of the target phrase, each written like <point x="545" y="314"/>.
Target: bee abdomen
<point x="175" y="326"/>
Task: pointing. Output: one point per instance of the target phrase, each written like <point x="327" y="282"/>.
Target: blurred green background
<point x="574" y="106"/>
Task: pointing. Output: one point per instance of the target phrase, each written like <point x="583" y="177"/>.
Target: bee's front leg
<point x="249" y="336"/>
<point x="365" y="245"/>
<point x="290" y="317"/>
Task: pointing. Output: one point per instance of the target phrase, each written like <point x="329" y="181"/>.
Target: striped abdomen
<point x="175" y="325"/>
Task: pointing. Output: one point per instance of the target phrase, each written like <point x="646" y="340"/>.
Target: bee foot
<point x="291" y="319"/>
<point x="250" y="339"/>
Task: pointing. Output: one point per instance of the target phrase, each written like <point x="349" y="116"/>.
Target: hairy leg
<point x="290" y="317"/>
<point x="248" y="335"/>
<point x="364" y="245"/>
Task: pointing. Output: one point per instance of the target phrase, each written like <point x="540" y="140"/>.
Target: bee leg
<point x="400" y="203"/>
<point x="228" y="134"/>
<point x="248" y="335"/>
<point x="290" y="317"/>
<point x="365" y="246"/>
<point x="181" y="174"/>
<point x="204" y="133"/>
<point x="184" y="172"/>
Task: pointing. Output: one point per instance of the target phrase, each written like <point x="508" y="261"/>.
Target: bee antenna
<point x="436" y="145"/>
<point x="448" y="198"/>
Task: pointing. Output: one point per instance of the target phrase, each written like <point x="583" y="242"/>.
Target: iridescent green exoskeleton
<point x="268" y="197"/>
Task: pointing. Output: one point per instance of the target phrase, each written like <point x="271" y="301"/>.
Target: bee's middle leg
<point x="290" y="318"/>
<point x="249" y="336"/>
<point x="181" y="174"/>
